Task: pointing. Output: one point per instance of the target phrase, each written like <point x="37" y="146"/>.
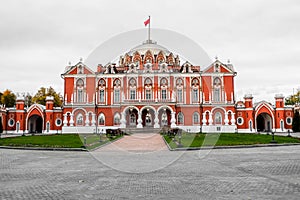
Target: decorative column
<point x="123" y="120"/>
<point x="156" y="120"/>
<point x="210" y="120"/>
<point x="204" y="119"/>
<point x="65" y="122"/>
<point x="226" y="118"/>
<point x="232" y="119"/>
<point x="87" y="121"/>
<point x="140" y="121"/>
<point x="173" y="120"/>
<point x="71" y="120"/>
<point x="93" y="119"/>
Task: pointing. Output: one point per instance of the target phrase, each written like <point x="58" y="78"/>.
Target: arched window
<point x="80" y="87"/>
<point x="101" y="88"/>
<point x="101" y="119"/>
<point x="132" y="88"/>
<point x="281" y="125"/>
<point x="180" y="118"/>
<point x="117" y="86"/>
<point x="48" y="127"/>
<point x="196" y="118"/>
<point x="163" y="88"/>
<point x="17" y="126"/>
<point x="79" y="120"/>
<point x="217" y="90"/>
<point x="218" y="118"/>
<point x="148" y="88"/>
<point x="117" y="119"/>
<point x="179" y="86"/>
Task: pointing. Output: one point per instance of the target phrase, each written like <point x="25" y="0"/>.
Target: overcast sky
<point x="260" y="37"/>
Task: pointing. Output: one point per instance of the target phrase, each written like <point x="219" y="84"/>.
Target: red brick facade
<point x="149" y="88"/>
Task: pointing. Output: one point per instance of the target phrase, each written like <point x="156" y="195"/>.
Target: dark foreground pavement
<point x="254" y="173"/>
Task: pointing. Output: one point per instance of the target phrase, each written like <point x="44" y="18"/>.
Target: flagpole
<point x="149" y="30"/>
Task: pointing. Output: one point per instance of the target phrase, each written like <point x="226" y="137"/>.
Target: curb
<point x="43" y="149"/>
<point x="228" y="147"/>
<point x="103" y="145"/>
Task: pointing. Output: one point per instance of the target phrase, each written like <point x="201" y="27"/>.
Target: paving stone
<point x="255" y="173"/>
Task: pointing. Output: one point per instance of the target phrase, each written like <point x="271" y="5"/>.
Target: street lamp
<point x="273" y="139"/>
<point x="201" y="101"/>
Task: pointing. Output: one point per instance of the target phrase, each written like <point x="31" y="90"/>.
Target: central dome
<point x="149" y="45"/>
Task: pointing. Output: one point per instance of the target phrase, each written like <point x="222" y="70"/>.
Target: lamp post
<point x="273" y="138"/>
<point x="289" y="134"/>
<point x="201" y="101"/>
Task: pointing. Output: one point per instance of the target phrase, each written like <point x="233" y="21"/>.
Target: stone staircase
<point x="145" y="130"/>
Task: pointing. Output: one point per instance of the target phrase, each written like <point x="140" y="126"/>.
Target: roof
<point x="149" y="45"/>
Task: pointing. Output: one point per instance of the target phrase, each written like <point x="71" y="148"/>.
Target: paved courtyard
<point x="132" y="173"/>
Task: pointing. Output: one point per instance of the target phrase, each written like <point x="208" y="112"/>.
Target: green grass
<point x="93" y="140"/>
<point x="58" y="141"/>
<point x="51" y="141"/>
<point x="225" y="139"/>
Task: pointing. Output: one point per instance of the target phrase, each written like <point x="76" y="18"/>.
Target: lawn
<point x="94" y="141"/>
<point x="225" y="139"/>
<point x="58" y="141"/>
<point x="50" y="141"/>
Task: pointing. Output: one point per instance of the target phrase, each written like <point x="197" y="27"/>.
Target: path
<point x="137" y="142"/>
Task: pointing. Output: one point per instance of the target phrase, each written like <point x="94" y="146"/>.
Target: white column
<point x="209" y="97"/>
<point x="123" y="120"/>
<point x="65" y="122"/>
<point x="173" y="120"/>
<point x="71" y="120"/>
<point x="226" y="118"/>
<point x="156" y="120"/>
<point x="93" y="119"/>
<point x="87" y="121"/>
<point x="140" y="121"/>
<point x="232" y="119"/>
<point x="204" y="119"/>
<point x="210" y="120"/>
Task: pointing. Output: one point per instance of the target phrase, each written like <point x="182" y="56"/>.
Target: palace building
<point x="149" y="87"/>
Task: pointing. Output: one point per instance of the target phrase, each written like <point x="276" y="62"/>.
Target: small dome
<point x="149" y="45"/>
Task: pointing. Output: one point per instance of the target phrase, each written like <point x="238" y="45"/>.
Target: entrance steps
<point x="145" y="130"/>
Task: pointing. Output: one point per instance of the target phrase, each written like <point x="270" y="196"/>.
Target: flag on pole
<point x="147" y="21"/>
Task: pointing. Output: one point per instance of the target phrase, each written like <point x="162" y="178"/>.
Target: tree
<point x="40" y="96"/>
<point x="296" y="122"/>
<point x="293" y="99"/>
<point x="8" y="98"/>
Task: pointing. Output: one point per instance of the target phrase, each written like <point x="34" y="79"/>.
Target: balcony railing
<point x="147" y="100"/>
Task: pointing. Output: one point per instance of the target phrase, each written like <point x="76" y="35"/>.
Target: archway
<point x="148" y="117"/>
<point x="264" y="123"/>
<point x="35" y="124"/>
<point x="164" y="117"/>
<point x="131" y="116"/>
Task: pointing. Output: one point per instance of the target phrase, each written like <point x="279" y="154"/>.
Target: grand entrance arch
<point x="35" y="124"/>
<point x="264" y="123"/>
